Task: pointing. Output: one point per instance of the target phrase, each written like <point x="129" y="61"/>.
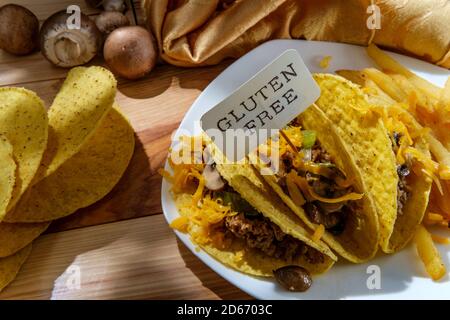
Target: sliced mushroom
<point x="213" y="180"/>
<point x="108" y="21"/>
<point x="293" y="278"/>
<point x="329" y="220"/>
<point x="331" y="207"/>
<point x="403" y="170"/>
<point x="207" y="157"/>
<point x="19" y="30"/>
<point x="65" y="46"/>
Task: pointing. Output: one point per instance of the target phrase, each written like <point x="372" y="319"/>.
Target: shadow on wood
<point x="132" y="197"/>
<point x="208" y="277"/>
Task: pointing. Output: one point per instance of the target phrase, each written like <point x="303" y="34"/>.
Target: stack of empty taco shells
<point x="56" y="161"/>
<point x="193" y="32"/>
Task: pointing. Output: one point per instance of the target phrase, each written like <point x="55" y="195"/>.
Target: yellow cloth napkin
<point x="204" y="32"/>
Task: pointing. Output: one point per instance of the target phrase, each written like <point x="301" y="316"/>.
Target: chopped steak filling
<point x="260" y="233"/>
<point x="403" y="171"/>
<point x="332" y="216"/>
<point x="319" y="154"/>
<point x="403" y="190"/>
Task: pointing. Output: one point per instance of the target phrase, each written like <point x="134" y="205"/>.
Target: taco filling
<point x="412" y="157"/>
<point x="258" y="232"/>
<point x="403" y="172"/>
<point x="309" y="176"/>
<point x="216" y="215"/>
<point x="228" y="218"/>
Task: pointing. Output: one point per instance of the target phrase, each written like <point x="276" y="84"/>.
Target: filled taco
<point x="393" y="155"/>
<point x="319" y="180"/>
<point x="229" y="211"/>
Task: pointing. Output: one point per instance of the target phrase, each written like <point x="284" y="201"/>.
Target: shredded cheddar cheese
<point x="294" y="191"/>
<point x="181" y="224"/>
<point x="201" y="186"/>
<point x="325" y="62"/>
<point x="434" y="217"/>
<point x="444" y="172"/>
<point x="294" y="138"/>
<point x="318" y="233"/>
<point x="439" y="239"/>
<point x="199" y="212"/>
<point x="398" y="119"/>
<point x="309" y="192"/>
<point x="199" y="219"/>
<point x="166" y="175"/>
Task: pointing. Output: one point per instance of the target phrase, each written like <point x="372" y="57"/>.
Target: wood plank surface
<point x="133" y="259"/>
<point x="138" y="257"/>
<point x="45" y="8"/>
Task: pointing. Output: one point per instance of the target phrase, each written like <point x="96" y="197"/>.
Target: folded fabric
<point x="204" y="32"/>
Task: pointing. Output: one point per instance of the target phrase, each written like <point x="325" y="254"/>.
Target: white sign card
<point x="264" y="104"/>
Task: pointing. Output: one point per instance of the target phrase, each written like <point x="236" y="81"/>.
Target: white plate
<point x="402" y="275"/>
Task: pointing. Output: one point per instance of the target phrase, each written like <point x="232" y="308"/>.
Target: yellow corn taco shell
<point x="248" y="183"/>
<point x="84" y="99"/>
<point x="245" y="180"/>
<point x="367" y="139"/>
<point x="253" y="262"/>
<point x="16" y="236"/>
<point x="7" y="174"/>
<point x="414" y="209"/>
<point x="23" y="121"/>
<point x="84" y="178"/>
<point x="10" y="266"/>
<point x="359" y="241"/>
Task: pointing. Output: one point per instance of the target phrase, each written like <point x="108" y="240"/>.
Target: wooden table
<point x="121" y="246"/>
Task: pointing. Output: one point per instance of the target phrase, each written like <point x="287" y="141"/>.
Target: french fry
<point x="440" y="201"/>
<point x="354" y="76"/>
<point x="429" y="254"/>
<point x="386" y="84"/>
<point x="422" y="99"/>
<point x="444" y="104"/>
<point x="387" y="63"/>
<point x="427" y="115"/>
<point x="374" y="92"/>
<point x="442" y="155"/>
<point x="381" y="96"/>
<point x="441" y="240"/>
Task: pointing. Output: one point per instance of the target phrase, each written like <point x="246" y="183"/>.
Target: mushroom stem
<point x="66" y="49"/>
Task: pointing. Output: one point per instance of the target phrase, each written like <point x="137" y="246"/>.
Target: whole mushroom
<point x="130" y="52"/>
<point x="65" y="46"/>
<point x="108" y="5"/>
<point x="19" y="30"/>
<point x="108" y="21"/>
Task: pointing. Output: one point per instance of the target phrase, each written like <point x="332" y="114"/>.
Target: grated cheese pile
<point x="199" y="212"/>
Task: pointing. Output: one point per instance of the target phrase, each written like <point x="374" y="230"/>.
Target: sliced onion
<point x="307" y="154"/>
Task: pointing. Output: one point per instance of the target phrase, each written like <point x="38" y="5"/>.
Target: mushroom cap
<point x="130" y="52"/>
<point x="114" y="5"/>
<point x="67" y="46"/>
<point x="19" y="30"/>
<point x="94" y="3"/>
<point x="108" y="21"/>
<point x="108" y="5"/>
